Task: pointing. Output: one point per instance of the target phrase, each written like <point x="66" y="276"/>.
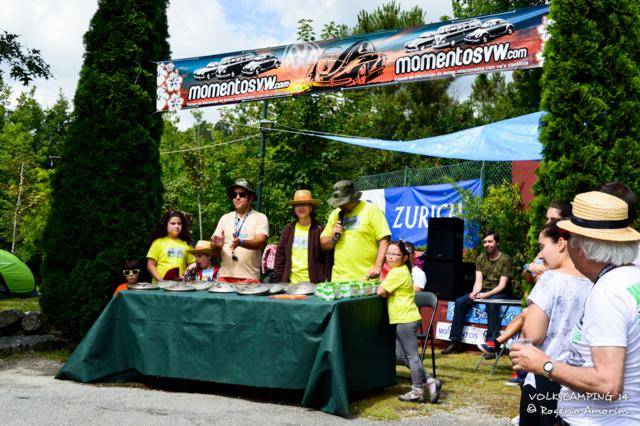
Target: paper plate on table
<point x="222" y="288"/>
<point x="180" y="287"/>
<point x="301" y="288"/>
<point x="201" y="285"/>
<point x="166" y="283"/>
<point x="252" y="289"/>
<point x="142" y="286"/>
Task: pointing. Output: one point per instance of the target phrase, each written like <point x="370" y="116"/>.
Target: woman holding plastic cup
<point x="554" y="306"/>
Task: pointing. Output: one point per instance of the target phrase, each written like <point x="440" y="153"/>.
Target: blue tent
<point x="514" y="139"/>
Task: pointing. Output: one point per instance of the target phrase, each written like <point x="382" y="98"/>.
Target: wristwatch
<point x="547" y="368"/>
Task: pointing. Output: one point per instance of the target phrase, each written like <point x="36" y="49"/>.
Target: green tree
<point x="29" y="134"/>
<point x="106" y="191"/>
<point x="591" y="91"/>
<point x="24" y="64"/>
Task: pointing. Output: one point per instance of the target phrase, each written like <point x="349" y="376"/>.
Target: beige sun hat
<point x="303" y="196"/>
<point x="202" y="247"/>
<point x="600" y="216"/>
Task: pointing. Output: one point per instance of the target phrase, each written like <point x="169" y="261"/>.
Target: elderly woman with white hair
<point x="601" y="377"/>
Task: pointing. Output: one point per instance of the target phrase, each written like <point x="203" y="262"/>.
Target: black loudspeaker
<point x="445" y="279"/>
<point x="445" y="238"/>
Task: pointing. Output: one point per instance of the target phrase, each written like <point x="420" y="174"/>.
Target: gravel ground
<point x="30" y="395"/>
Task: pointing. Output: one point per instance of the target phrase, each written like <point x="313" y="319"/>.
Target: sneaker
<point x="489" y="356"/>
<point x="433" y="387"/>
<point x="453" y="348"/>
<point x="414" y="395"/>
<point x="489" y="347"/>
<point x="514" y="380"/>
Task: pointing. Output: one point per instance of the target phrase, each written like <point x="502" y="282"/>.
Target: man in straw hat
<point x="601" y="379"/>
<point x="359" y="233"/>
<point x="240" y="236"/>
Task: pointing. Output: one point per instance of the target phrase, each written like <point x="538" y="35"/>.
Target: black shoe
<point x="453" y="348"/>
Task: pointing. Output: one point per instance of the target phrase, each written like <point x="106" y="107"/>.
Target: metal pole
<point x="261" y="155"/>
<point x="15" y="216"/>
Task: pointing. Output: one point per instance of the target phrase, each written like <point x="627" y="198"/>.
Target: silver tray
<point x="180" y="287"/>
<point x="277" y="288"/>
<point x="201" y="285"/>
<point x="252" y="289"/>
<point x="222" y="288"/>
<point x="302" y="288"/>
<point x="165" y="284"/>
<point x="142" y="286"/>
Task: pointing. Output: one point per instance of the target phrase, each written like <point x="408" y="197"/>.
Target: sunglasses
<point x="233" y="195"/>
<point x="129" y="272"/>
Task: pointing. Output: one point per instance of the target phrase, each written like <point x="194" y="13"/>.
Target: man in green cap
<point x="240" y="236"/>
<point x="358" y="232"/>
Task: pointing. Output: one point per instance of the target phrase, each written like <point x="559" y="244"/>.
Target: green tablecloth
<point x="326" y="348"/>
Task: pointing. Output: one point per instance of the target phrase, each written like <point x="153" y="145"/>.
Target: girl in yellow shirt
<point x="168" y="255"/>
<point x="397" y="287"/>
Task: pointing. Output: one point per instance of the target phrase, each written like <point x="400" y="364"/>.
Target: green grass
<point x="464" y="386"/>
<point x="23" y="304"/>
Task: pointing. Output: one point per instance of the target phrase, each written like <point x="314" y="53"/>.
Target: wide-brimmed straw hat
<point x="202" y="247"/>
<point x="241" y="183"/>
<point x="600" y="216"/>
<point x="344" y="192"/>
<point x="303" y="196"/>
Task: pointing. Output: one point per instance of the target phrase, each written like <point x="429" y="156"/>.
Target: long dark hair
<point x="161" y="227"/>
<point x="404" y="250"/>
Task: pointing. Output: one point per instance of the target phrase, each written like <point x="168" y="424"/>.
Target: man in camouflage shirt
<point x="493" y="272"/>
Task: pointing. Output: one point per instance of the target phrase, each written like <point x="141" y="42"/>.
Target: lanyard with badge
<point x="237" y="228"/>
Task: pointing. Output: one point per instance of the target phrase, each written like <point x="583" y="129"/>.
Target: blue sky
<point x="196" y="28"/>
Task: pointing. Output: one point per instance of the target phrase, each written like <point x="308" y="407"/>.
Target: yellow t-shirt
<point x="169" y="254"/>
<point x="357" y="249"/>
<point x="401" y="303"/>
<point x="300" y="255"/>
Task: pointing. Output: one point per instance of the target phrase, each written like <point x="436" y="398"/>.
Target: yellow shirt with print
<point x="357" y="249"/>
<point x="300" y="255"/>
<point x="169" y="253"/>
<point x="401" y="303"/>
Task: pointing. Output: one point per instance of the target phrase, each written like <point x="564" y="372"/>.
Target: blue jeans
<point x="463" y="303"/>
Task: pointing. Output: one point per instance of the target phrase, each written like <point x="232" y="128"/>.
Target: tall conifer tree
<point x="107" y="192"/>
<point x="591" y="90"/>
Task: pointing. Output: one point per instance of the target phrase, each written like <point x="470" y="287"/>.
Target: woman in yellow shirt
<point x="397" y="287"/>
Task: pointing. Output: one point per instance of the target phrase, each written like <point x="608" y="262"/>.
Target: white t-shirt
<point x="247" y="228"/>
<point x="561" y="297"/>
<point x="610" y="319"/>
<point x="419" y="277"/>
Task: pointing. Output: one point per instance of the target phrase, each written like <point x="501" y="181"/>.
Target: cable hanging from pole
<point x="209" y="146"/>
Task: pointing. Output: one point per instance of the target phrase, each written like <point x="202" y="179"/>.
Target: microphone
<point x="341" y="214"/>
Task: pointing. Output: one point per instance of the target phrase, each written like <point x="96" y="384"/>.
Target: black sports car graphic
<point x="207" y="72"/>
<point x="451" y="34"/>
<point x="422" y="42"/>
<point x="490" y="29"/>
<point x="232" y="66"/>
<point x="339" y="66"/>
<point x="261" y="64"/>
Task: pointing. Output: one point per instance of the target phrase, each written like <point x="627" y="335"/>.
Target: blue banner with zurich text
<point x="408" y="209"/>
